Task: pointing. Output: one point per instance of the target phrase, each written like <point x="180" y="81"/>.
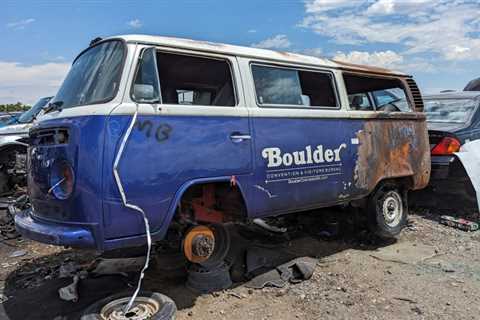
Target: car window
<point x="282" y="86"/>
<point x="385" y="94"/>
<point x="449" y="110"/>
<point x="147" y="74"/>
<point x="360" y="101"/>
<point x="195" y="80"/>
<point x="194" y="97"/>
<point x="94" y="76"/>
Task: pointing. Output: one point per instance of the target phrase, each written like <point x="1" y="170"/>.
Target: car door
<point x="301" y="155"/>
<point x="199" y="131"/>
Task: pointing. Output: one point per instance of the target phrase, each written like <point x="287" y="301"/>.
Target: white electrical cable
<point x="132" y="206"/>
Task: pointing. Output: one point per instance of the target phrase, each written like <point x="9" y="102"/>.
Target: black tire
<point x="166" y="311"/>
<point x="387" y="210"/>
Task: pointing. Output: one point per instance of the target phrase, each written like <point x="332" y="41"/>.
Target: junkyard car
<point x="197" y="134"/>
<point x="12" y="151"/>
<point x="6" y="117"/>
<point x="473" y="85"/>
<point x="453" y="121"/>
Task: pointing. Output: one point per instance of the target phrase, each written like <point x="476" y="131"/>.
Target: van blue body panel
<point x="167" y="154"/>
<point x="289" y="187"/>
<point x="163" y="156"/>
<point x="290" y="164"/>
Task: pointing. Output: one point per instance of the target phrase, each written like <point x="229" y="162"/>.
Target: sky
<point x="437" y="41"/>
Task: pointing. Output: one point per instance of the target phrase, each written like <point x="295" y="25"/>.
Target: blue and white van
<point x="220" y="134"/>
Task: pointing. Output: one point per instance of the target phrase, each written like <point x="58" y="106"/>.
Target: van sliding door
<point x="302" y="156"/>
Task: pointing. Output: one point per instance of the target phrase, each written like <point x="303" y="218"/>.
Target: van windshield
<point x="94" y="76"/>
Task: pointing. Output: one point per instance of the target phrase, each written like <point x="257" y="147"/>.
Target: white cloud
<point x="135" y="24"/>
<point x="21" y="24"/>
<point x="26" y="84"/>
<point x="279" y="41"/>
<point x="382" y="7"/>
<point x="252" y="31"/>
<point x="386" y="59"/>
<point x="448" y="29"/>
<point x="411" y="7"/>
<point x="317" y="6"/>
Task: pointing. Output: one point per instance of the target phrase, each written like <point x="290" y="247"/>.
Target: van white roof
<point x="250" y="52"/>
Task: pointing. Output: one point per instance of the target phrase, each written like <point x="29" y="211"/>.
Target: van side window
<point x="191" y="80"/>
<point x="146" y="79"/>
<point x="367" y="93"/>
<point x="278" y="86"/>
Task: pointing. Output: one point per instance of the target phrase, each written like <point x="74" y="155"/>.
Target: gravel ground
<point x="431" y="272"/>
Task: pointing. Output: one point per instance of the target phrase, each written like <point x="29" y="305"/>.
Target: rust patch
<point x="392" y="149"/>
<point x="368" y="69"/>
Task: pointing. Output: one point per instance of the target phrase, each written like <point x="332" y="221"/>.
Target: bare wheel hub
<point x="143" y="308"/>
<point x="199" y="244"/>
<point x="392" y="208"/>
<point x="203" y="246"/>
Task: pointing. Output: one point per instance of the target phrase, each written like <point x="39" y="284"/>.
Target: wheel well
<point x="215" y="202"/>
<point x="406" y="183"/>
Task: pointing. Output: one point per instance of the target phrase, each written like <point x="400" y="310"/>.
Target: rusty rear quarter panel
<point x="393" y="146"/>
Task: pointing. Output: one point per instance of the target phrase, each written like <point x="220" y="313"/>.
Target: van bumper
<point x="53" y="233"/>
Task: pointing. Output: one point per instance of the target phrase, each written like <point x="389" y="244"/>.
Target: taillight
<point x="446" y="146"/>
<point x="62" y="179"/>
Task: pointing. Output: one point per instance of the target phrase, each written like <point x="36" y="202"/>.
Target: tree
<point x="14" y="107"/>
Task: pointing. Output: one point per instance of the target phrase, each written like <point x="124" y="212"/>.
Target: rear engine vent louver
<point x="417" y="96"/>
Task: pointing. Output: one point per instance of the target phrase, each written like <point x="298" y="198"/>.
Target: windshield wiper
<point x="54" y="106"/>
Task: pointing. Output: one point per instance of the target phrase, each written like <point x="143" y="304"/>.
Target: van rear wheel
<point x="387" y="211"/>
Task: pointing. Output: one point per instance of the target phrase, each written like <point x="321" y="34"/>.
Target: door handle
<point x="238" y="137"/>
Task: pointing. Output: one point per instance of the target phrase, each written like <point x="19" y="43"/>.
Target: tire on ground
<point x="166" y="311"/>
<point x="387" y="210"/>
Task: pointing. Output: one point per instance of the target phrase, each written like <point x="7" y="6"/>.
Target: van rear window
<point x="277" y="86"/>
<point x="366" y="93"/>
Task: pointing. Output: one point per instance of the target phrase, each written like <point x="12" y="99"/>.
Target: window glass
<point x="393" y="96"/>
<point x="382" y="94"/>
<point x="32" y="113"/>
<point x="192" y="80"/>
<point x="360" y="101"/>
<point x="94" y="76"/>
<point x="450" y="110"/>
<point x="194" y="97"/>
<point x="277" y="86"/>
<point x="282" y="86"/>
<point x="147" y="76"/>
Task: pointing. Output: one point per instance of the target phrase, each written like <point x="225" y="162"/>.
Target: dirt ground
<point x="431" y="272"/>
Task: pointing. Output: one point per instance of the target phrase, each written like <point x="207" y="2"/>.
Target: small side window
<point x="367" y="93"/>
<point x="276" y="86"/>
<point x="146" y="87"/>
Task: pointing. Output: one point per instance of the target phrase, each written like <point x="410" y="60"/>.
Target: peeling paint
<point x="270" y="195"/>
<point x="343" y="196"/>
<point x="392" y="149"/>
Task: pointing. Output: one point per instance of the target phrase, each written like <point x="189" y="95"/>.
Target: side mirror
<point x="144" y="92"/>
